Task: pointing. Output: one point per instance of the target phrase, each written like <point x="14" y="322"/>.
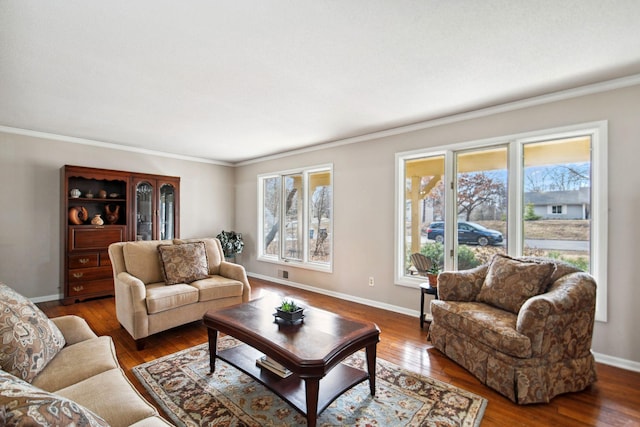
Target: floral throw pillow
<point x="22" y="404"/>
<point x="28" y="339"/>
<point x="510" y="282"/>
<point x="183" y="263"/>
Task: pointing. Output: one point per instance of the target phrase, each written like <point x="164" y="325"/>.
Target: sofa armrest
<point x="74" y="329"/>
<point x="565" y="314"/>
<point x="237" y="272"/>
<point x="131" y="291"/>
<point x="461" y="285"/>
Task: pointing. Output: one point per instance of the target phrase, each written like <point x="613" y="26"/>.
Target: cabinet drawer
<point x="103" y="285"/>
<point x="91" y="273"/>
<point x="94" y="238"/>
<point x="83" y="260"/>
<point x="104" y="259"/>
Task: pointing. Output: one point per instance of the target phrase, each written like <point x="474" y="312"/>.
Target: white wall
<point x="30" y="259"/>
<point x="364" y="204"/>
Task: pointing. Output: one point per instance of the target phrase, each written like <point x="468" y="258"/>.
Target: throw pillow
<point x="183" y="263"/>
<point x="511" y="282"/>
<point x="28" y="339"/>
<point x="25" y="405"/>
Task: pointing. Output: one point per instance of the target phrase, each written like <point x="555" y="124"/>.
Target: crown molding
<point x="469" y="115"/>
<point x="454" y="118"/>
<point x="110" y="145"/>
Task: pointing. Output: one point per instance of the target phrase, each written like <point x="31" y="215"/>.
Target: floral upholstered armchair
<point x="522" y="326"/>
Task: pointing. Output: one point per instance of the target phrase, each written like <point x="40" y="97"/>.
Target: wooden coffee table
<point x="312" y="349"/>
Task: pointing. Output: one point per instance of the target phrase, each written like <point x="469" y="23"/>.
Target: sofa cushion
<point x="161" y="298"/>
<point x="510" y="282"/>
<point x="561" y="269"/>
<point x="183" y="263"/>
<point x="216" y="287"/>
<point x="78" y="362"/>
<point x="214" y="252"/>
<point x="28" y="339"/>
<point x="121" y="405"/>
<point x="141" y="260"/>
<point x="26" y="405"/>
<point x="492" y="326"/>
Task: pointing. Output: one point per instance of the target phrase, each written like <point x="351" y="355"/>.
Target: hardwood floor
<point x="614" y="400"/>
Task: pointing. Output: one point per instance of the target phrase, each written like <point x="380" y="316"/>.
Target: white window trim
<point x="305" y="262"/>
<point x="598" y="131"/>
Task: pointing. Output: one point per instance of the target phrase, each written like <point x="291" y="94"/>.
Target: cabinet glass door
<point x="144" y="211"/>
<point x="167" y="212"/>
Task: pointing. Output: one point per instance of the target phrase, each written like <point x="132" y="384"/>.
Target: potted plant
<point x="432" y="273"/>
<point x="289" y="310"/>
<point x="231" y="242"/>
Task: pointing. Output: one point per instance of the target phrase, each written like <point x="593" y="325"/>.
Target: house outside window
<point x="296" y="218"/>
<point x="539" y="194"/>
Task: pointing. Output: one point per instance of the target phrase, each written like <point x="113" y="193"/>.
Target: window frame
<point x="304" y="262"/>
<point x="597" y="131"/>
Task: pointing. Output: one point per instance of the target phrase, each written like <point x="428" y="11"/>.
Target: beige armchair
<point x="521" y="326"/>
<point x="161" y="284"/>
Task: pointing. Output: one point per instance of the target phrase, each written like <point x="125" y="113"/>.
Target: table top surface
<point x="318" y="338"/>
<point x="428" y="288"/>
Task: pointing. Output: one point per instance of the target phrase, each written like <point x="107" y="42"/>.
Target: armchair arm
<point x="559" y="323"/>
<point x="75" y="329"/>
<point x="461" y="285"/>
<point x="237" y="272"/>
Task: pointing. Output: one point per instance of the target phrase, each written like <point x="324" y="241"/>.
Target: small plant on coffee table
<point x="289" y="306"/>
<point x="289" y="310"/>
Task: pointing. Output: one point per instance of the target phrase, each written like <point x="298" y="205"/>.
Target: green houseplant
<point x="433" y="272"/>
<point x="289" y="310"/>
<point x="231" y="242"/>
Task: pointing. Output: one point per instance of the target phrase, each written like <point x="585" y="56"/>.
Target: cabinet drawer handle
<point x="83" y="260"/>
<point x="78" y="275"/>
<point x="78" y="288"/>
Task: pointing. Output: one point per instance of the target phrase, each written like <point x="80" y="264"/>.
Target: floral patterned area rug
<point x="181" y="384"/>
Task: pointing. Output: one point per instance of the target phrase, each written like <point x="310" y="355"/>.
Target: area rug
<point x="183" y="387"/>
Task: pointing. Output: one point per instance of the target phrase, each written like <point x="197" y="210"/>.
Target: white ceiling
<point x="237" y="80"/>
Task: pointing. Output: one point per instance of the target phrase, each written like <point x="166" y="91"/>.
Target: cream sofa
<point x="201" y="280"/>
<point x="63" y="374"/>
<point x="522" y="326"/>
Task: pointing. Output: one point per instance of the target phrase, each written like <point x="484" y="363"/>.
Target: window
<point x="538" y="194"/>
<point x="556" y="209"/>
<point x="302" y="201"/>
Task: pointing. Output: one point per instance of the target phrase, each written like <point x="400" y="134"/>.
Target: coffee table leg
<point x="213" y="348"/>
<point x="312" y="387"/>
<point x="371" y="367"/>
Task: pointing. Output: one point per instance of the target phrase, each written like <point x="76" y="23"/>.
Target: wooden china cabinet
<point x="102" y="206"/>
<point x="156" y="207"/>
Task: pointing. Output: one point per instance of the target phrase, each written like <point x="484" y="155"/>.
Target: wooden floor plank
<point x="613" y="401"/>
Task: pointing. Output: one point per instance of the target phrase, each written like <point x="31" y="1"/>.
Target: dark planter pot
<point x="289" y="316"/>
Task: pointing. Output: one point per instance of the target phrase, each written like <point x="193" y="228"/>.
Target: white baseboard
<point x="617" y="362"/>
<point x="371" y="303"/>
<point x="600" y="358"/>
<point x="47" y="298"/>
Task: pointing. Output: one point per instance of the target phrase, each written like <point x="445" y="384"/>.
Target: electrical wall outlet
<point x="371" y="282"/>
